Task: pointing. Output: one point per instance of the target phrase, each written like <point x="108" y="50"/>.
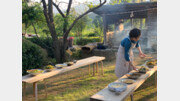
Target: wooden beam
<point x="89" y="69"/>
<point x="45" y="86"/>
<point x="93" y="69"/>
<point x="131" y="23"/>
<point x="111" y="9"/>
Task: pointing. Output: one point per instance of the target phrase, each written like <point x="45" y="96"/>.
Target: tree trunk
<point x="65" y="25"/>
<point x="64" y="42"/>
<point x="49" y="19"/>
<point x="34" y="29"/>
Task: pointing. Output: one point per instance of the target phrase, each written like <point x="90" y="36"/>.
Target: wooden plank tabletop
<point x="106" y="95"/>
<point x="79" y="63"/>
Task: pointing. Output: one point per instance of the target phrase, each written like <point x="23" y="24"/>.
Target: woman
<point x="124" y="61"/>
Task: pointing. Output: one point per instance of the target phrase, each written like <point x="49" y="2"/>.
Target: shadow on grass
<point x="149" y="82"/>
<point x="145" y="98"/>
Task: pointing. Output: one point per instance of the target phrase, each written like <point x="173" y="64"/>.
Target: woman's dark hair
<point x="135" y="33"/>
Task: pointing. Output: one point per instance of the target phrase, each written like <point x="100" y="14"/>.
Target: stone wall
<point x="152" y="28"/>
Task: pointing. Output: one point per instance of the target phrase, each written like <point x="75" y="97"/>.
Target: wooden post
<point x="35" y="90"/>
<point x="156" y="79"/>
<point x="131" y="22"/>
<point x="89" y="69"/>
<point x="102" y="68"/>
<point x="24" y="89"/>
<point x="141" y="23"/>
<point x="96" y="67"/>
<point x="104" y="28"/>
<point x="93" y="69"/>
<point x="131" y="97"/>
<point x="45" y="88"/>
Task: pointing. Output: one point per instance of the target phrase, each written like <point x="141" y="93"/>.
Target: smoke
<point x="148" y="27"/>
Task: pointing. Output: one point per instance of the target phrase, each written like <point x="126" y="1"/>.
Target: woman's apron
<point x="122" y="67"/>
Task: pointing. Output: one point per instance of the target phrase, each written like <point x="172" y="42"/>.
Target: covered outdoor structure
<point x="116" y="14"/>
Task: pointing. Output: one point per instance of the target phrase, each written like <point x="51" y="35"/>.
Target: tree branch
<point x="59" y="10"/>
<point x="90" y="10"/>
<point x="50" y="10"/>
<point x="69" y="7"/>
<point x="45" y="11"/>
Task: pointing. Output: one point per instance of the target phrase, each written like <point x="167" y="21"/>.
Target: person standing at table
<point x="124" y="60"/>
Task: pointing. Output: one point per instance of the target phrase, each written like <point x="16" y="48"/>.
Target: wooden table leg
<point x="156" y="79"/>
<point x="102" y="68"/>
<point x="131" y="97"/>
<point x="35" y="91"/>
<point x="24" y="89"/>
<point x="45" y="88"/>
<point x="89" y="68"/>
<point x="94" y="69"/>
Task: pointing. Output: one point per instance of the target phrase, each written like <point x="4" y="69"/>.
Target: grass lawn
<point x="78" y="85"/>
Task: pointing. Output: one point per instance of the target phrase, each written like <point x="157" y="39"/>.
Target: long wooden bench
<point x="106" y="95"/>
<point x="83" y="62"/>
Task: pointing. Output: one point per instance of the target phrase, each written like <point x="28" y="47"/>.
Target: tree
<point x="80" y="26"/>
<point x="32" y="15"/>
<point x="98" y="24"/>
<point x="59" y="49"/>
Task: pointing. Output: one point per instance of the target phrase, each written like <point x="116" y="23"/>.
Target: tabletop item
<point x="134" y="75"/>
<point x="117" y="87"/>
<point x="34" y="72"/>
<point x="75" y="61"/>
<point x="49" y="68"/>
<point x="143" y="69"/>
<point x="69" y="63"/>
<point x="150" y="64"/>
<point x="127" y="81"/>
<point x="59" y="66"/>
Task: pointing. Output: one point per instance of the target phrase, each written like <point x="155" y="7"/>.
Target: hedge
<point x="45" y="43"/>
<point x="33" y="56"/>
<point x="86" y="40"/>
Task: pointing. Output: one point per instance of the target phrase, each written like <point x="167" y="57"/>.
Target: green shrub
<point x="86" y="40"/>
<point x="33" y="56"/>
<point x="77" y="55"/>
<point x="45" y="43"/>
<point x="92" y="34"/>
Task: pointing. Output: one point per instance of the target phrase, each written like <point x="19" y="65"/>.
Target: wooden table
<point x="83" y="62"/>
<point x="106" y="95"/>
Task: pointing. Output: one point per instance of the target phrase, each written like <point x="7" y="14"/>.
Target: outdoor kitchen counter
<point x="106" y="95"/>
<point x="83" y="62"/>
